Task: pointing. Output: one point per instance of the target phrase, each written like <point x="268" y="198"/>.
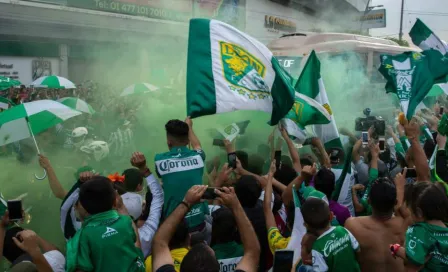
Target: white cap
<point x="133" y="203"/>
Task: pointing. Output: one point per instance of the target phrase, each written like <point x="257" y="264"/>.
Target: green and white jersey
<point x="228" y="255"/>
<point x="180" y="169"/>
<point x="335" y="251"/>
<point x="424" y="241"/>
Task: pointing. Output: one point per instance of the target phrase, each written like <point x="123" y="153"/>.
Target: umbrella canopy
<point x="77" y="104"/>
<point x="5" y="103"/>
<point x="139" y="88"/>
<point x="42" y="115"/>
<point x="6" y="82"/>
<point x="54" y="82"/>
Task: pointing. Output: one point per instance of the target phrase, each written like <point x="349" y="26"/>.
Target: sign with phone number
<point x="125" y="7"/>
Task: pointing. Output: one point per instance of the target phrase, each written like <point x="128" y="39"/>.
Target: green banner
<point x="173" y="10"/>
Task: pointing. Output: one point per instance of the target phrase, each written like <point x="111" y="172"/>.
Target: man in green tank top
<point x="180" y="169"/>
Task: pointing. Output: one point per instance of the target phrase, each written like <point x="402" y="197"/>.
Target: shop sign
<point x="26" y="69"/>
<point x="272" y="22"/>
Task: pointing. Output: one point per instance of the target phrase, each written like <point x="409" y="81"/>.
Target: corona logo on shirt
<point x="336" y="244"/>
<point x="243" y="71"/>
<point x="174" y="165"/>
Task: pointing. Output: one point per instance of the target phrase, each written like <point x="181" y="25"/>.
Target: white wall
<point x="22" y="68"/>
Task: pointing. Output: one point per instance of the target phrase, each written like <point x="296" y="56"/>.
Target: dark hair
<point x="324" y="181"/>
<point x="200" y="258"/>
<point x="132" y="179"/>
<point x="248" y="190"/>
<point x="256" y="163"/>
<point x="97" y="195"/>
<point x="316" y="213"/>
<point x="429" y="199"/>
<point x="178" y="130"/>
<point x="286" y="160"/>
<point x="147" y="208"/>
<point x="433" y="203"/>
<point x="383" y="195"/>
<point x="305" y="162"/>
<point x="286" y="174"/>
<point x="243" y="157"/>
<point x="180" y="236"/>
<point x="224" y="227"/>
<point x="10" y="250"/>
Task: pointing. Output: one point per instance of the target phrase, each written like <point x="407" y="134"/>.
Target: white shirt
<point x="56" y="260"/>
<point x="149" y="228"/>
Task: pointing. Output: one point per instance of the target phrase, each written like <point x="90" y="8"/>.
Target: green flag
<point x="310" y="84"/>
<point x="433" y="48"/>
<point x="408" y="75"/>
<point x="228" y="70"/>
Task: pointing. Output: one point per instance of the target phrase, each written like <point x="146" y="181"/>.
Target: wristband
<point x="394" y="249"/>
<point x="186" y="204"/>
<point x="147" y="172"/>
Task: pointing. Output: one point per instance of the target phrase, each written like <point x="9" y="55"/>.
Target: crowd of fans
<point x="385" y="210"/>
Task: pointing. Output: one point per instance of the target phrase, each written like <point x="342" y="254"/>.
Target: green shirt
<point x="228" y="255"/>
<point x="106" y="242"/>
<point x="309" y="191"/>
<point x="335" y="251"/>
<point x="426" y="240"/>
<point x="180" y="169"/>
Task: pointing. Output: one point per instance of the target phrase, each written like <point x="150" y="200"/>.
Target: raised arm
<point x="355" y="152"/>
<point x="160" y="248"/>
<point x="269" y="216"/>
<point x="441" y="168"/>
<point x="295" y="157"/>
<point x="149" y="228"/>
<point x="251" y="246"/>
<point x="55" y="185"/>
<point x="194" y="141"/>
<point x="358" y="207"/>
<point x="324" y="158"/>
<point x="29" y="243"/>
<point x="400" y="182"/>
<point x="421" y="163"/>
<point x="306" y="175"/>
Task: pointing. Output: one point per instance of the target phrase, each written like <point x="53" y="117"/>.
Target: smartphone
<point x="231" y="159"/>
<point x="411" y="173"/>
<point x="365" y="138"/>
<point x="441" y="110"/>
<point x="218" y="142"/>
<point x="283" y="260"/>
<point x="15" y="210"/>
<point x="210" y="193"/>
<point x="382" y="144"/>
<point x="278" y="158"/>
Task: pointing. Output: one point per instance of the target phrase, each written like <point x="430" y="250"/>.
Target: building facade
<point x="127" y="41"/>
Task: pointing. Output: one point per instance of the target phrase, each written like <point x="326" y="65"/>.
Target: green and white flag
<point x="433" y="48"/>
<point x="305" y="111"/>
<point x="408" y="75"/>
<point x="310" y="83"/>
<point x="228" y="70"/>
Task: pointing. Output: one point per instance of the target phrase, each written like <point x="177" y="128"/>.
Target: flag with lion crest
<point x="227" y="70"/>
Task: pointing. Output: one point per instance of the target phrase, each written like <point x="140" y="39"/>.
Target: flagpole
<point x="37" y="148"/>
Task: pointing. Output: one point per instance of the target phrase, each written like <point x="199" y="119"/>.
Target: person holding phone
<point x="21" y="246"/>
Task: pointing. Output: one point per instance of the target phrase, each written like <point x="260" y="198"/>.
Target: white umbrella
<point x="53" y="82"/>
<point x="139" y="88"/>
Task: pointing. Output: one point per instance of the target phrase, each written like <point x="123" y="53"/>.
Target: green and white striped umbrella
<point x="5" y="103"/>
<point x="139" y="88"/>
<point x="77" y="104"/>
<point x="53" y="82"/>
<point x="41" y="115"/>
<point x="6" y="82"/>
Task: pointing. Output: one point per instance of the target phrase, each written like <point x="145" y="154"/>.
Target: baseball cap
<point x="133" y="203"/>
